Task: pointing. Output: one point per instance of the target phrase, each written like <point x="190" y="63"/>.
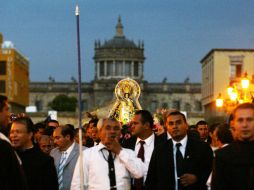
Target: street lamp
<point x="239" y="91"/>
<point x="219" y="101"/>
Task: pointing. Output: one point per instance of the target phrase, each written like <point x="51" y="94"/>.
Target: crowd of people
<point x="149" y="153"/>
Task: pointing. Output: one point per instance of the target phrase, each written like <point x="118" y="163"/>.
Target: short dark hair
<point x="3" y="99"/>
<point x="53" y="121"/>
<point x="25" y="120"/>
<point x="246" y="105"/>
<point x="94" y="121"/>
<point x="39" y="125"/>
<point x="68" y="130"/>
<point x="177" y="113"/>
<point x="201" y="122"/>
<point x="224" y="134"/>
<point x="146" y="117"/>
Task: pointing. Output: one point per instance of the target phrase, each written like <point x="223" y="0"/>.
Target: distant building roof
<point x="223" y="49"/>
<point x="119" y="40"/>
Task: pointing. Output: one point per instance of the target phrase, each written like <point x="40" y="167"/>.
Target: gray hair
<point x="102" y="120"/>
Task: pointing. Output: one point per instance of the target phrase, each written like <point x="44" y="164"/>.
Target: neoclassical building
<point x="116" y="59"/>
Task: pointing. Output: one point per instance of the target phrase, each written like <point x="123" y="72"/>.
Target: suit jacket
<point x="234" y="167"/>
<point x="11" y="174"/>
<point x="39" y="169"/>
<point x="131" y="143"/>
<point x="69" y="164"/>
<point x="197" y="160"/>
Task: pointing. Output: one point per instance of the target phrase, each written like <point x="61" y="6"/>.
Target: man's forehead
<point x="16" y="125"/>
<point x="45" y="141"/>
<point x="112" y="123"/>
<point x="57" y="131"/>
<point x="202" y="126"/>
<point x="137" y="116"/>
<point x="242" y="113"/>
<point x="174" y="117"/>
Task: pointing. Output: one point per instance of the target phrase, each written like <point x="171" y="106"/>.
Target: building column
<point x="132" y="68"/>
<point x="105" y="68"/>
<point x="141" y="68"/>
<point x="97" y="70"/>
<point x="123" y="69"/>
<point x="114" y="67"/>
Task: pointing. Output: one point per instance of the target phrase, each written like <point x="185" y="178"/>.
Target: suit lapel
<point x="58" y="157"/>
<point x="188" y="149"/>
<point x="72" y="154"/>
<point x="133" y="143"/>
<point x="170" y="161"/>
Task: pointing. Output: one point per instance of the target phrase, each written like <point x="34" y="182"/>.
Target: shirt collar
<point x="148" y="140"/>
<point x="68" y="151"/>
<point x="183" y="142"/>
<point x="100" y="146"/>
<point x="168" y="136"/>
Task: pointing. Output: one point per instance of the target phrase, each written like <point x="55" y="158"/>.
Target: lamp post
<point x="238" y="91"/>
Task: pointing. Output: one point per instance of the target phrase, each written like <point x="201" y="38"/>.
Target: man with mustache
<point x="108" y="165"/>
<point x="180" y="163"/>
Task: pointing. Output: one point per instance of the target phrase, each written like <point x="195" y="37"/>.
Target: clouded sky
<point x="177" y="33"/>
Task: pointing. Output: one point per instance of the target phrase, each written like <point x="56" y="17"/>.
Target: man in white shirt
<point x="108" y="165"/>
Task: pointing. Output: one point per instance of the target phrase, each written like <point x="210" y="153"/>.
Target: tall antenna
<point x="79" y="103"/>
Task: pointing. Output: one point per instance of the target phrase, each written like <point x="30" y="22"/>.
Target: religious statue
<point x="127" y="92"/>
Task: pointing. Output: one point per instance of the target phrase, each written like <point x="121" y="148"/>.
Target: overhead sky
<point x="177" y="33"/>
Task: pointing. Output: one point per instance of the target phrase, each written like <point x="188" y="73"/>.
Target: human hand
<point x="188" y="179"/>
<point x="114" y="146"/>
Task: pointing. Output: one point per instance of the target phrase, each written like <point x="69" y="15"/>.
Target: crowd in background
<point x="152" y="152"/>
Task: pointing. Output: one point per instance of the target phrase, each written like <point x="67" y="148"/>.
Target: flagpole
<point x="79" y="103"/>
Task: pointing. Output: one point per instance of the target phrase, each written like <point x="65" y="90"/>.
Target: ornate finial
<point x="119" y="28"/>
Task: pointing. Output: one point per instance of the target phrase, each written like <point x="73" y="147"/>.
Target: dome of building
<point x="119" y="57"/>
<point x="119" y="40"/>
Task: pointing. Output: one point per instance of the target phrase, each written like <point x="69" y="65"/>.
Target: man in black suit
<point x="143" y="141"/>
<point x="11" y="173"/>
<point x="234" y="164"/>
<point x="180" y="163"/>
<point x="38" y="167"/>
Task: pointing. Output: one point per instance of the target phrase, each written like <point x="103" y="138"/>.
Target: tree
<point x="64" y="103"/>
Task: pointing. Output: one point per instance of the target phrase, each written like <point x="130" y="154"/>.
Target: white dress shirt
<point x="95" y="168"/>
<point x="168" y="136"/>
<point x="148" y="147"/>
<point x="182" y="150"/>
<point x="68" y="151"/>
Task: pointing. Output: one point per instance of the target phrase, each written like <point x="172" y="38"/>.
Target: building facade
<point x="116" y="59"/>
<point x="219" y="68"/>
<point x="14" y="76"/>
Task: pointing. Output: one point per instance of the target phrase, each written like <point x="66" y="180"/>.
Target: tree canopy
<point x="64" y="103"/>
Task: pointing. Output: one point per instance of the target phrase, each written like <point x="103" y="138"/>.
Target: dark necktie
<point x="111" y="169"/>
<point x="179" y="164"/>
<point x="138" y="183"/>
